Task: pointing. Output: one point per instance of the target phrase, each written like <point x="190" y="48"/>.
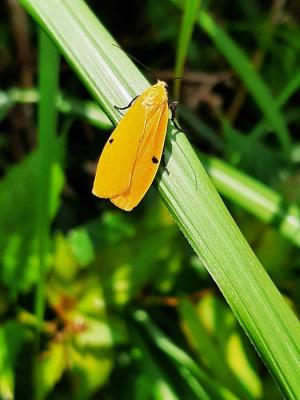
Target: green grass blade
<point x="248" y="75"/>
<point x="190" y="11"/>
<point x="161" y="388"/>
<point x="47" y="121"/>
<point x="47" y="124"/>
<point x="187" y="191"/>
<point x="254" y="197"/>
<point x="249" y="291"/>
<point x="209" y="351"/>
<point x="90" y="58"/>
<point x="68" y="105"/>
<point x="292" y="86"/>
<point x="181" y="358"/>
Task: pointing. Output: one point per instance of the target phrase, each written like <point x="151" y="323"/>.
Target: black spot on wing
<point x="154" y="160"/>
<point x="111" y="140"/>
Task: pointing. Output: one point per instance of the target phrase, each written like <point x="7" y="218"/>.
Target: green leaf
<point x="51" y="364"/>
<point x="90" y="370"/>
<point x="12" y="335"/>
<point x="235" y="372"/>
<point x="82" y="246"/>
<point x="18" y="247"/>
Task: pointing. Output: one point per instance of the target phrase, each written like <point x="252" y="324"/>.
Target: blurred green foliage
<point x="131" y="313"/>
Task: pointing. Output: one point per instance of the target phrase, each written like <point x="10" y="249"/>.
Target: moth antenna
<point x="185" y="75"/>
<point x="137" y="61"/>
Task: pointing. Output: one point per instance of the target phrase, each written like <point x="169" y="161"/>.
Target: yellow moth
<point x="130" y="158"/>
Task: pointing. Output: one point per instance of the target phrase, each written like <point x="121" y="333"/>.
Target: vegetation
<point x="99" y="303"/>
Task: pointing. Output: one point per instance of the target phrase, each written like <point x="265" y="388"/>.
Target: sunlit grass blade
<point x="187" y="191"/>
<point x="225" y="253"/>
<point x="262" y="202"/>
<point x="88" y="56"/>
<point x="190" y="11"/>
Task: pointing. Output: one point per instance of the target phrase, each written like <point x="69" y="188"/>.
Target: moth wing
<point x="148" y="158"/>
<point x="115" y="166"/>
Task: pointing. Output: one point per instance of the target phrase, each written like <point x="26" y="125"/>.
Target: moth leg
<point x="173" y="108"/>
<point x="129" y="105"/>
<point x="164" y="165"/>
